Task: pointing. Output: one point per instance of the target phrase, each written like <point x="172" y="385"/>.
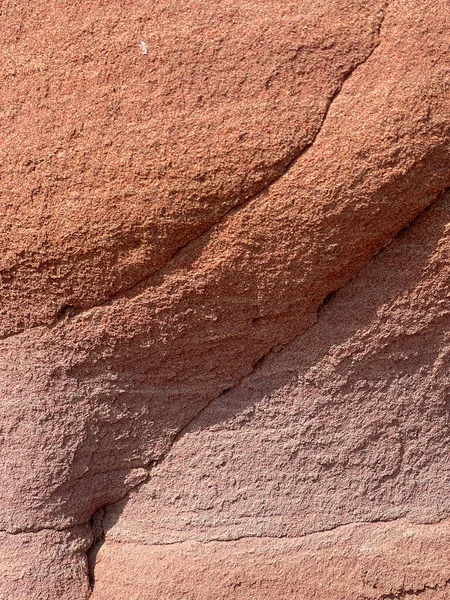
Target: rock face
<point x="367" y="561"/>
<point x="133" y="131"/>
<point x="284" y="480"/>
<point x="182" y="188"/>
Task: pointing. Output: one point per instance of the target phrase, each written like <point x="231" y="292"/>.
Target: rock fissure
<point x="202" y="298"/>
<point x="71" y="311"/>
<point x="238" y="538"/>
<point x="235" y="209"/>
<point x="415" y="592"/>
<point x="96" y="523"/>
<point x="327" y="300"/>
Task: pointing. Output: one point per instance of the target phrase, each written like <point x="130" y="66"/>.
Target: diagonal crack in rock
<point x="71" y="312"/>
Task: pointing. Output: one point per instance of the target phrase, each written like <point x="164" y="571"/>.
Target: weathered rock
<point x="355" y="562"/>
<point x="130" y="132"/>
<point x="111" y="346"/>
<point x="45" y="564"/>
<point x="347" y="424"/>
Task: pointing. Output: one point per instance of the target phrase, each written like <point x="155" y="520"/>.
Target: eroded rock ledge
<point x="182" y="188"/>
<point x="348" y="430"/>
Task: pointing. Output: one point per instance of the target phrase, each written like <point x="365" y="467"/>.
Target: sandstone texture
<point x="347" y="424"/>
<point x="354" y="562"/>
<point x="132" y="129"/>
<point x="188" y="406"/>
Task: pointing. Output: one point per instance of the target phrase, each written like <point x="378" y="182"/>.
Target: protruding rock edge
<point x="327" y="300"/>
<point x="136" y="289"/>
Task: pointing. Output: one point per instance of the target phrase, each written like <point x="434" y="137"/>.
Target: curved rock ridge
<point x="347" y="424"/>
<point x="154" y="256"/>
<point x="132" y="131"/>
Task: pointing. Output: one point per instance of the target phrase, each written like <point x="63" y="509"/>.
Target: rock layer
<point x="132" y="131"/>
<point x="371" y="562"/>
<point x="347" y="424"/>
<point x="181" y="192"/>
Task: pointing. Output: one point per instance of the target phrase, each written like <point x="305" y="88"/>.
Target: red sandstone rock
<point x="355" y="562"/>
<point x="133" y="130"/>
<point x="46" y="564"/>
<point x="121" y="151"/>
<point x="349" y="423"/>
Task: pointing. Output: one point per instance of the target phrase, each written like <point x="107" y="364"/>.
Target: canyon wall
<point x="224" y="316"/>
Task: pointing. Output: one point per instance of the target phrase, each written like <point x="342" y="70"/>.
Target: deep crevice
<point x="67" y="312"/>
<point x="98" y="537"/>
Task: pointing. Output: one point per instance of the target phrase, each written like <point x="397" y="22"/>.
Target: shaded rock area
<point x="224" y="311"/>
<point x="347" y="424"/>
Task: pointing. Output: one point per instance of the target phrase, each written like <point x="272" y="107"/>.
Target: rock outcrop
<point x="184" y="187"/>
<point x="315" y="476"/>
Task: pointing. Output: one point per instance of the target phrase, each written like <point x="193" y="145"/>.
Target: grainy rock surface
<point x="133" y="129"/>
<point x="45" y="564"/>
<point x="181" y="188"/>
<point x="349" y="423"/>
<point x="355" y="562"/>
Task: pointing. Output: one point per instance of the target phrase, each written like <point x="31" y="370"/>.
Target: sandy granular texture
<point x="184" y="187"/>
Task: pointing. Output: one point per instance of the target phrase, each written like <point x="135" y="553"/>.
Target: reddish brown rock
<point x="130" y="132"/>
<point x="92" y="396"/>
<point x="46" y="564"/>
<point x="355" y="562"/>
<point x="348" y="424"/>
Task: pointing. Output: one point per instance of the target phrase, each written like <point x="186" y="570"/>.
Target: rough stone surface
<point x="132" y="130"/>
<point x="349" y="423"/>
<point x="181" y="188"/>
<point x="47" y="564"/>
<point x="356" y="562"/>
